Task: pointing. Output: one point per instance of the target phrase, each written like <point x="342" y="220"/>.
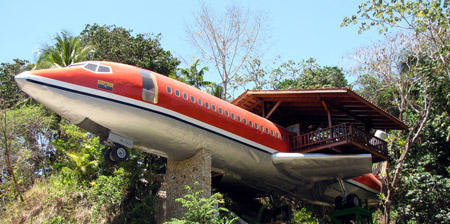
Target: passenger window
<point x="185" y="96"/>
<point x="245" y="121"/>
<point x="220" y="110"/>
<point x="239" y="118"/>
<point x="256" y="125"/>
<point x="149" y="86"/>
<point x="177" y="92"/>
<point x="200" y="102"/>
<point x="226" y="113"/>
<point x="213" y="107"/>
<point x="262" y="128"/>
<point x="206" y="105"/>
<point x="271" y="132"/>
<point x="267" y="130"/>
<point x="250" y="123"/>
<point x="278" y="135"/>
<point x="192" y="99"/>
<point x="232" y="116"/>
<point x="169" y="90"/>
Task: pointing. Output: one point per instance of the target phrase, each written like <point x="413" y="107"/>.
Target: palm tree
<point x="215" y="90"/>
<point x="192" y="75"/>
<point x="67" y="50"/>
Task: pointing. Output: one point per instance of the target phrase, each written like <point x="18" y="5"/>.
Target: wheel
<point x="353" y="201"/>
<point x="119" y="153"/>
<point x="339" y="202"/>
<point x="108" y="157"/>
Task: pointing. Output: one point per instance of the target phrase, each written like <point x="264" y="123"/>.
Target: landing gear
<point x="116" y="154"/>
<point x="353" y="201"/>
<point x="350" y="201"/>
<point x="346" y="200"/>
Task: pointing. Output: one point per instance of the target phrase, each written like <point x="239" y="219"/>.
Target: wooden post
<point x="328" y="112"/>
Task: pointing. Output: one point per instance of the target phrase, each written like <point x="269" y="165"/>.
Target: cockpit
<point x="93" y="67"/>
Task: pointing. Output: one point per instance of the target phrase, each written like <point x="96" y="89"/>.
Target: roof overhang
<point x="344" y="105"/>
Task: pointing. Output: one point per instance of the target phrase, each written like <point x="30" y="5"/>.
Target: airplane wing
<point x="318" y="167"/>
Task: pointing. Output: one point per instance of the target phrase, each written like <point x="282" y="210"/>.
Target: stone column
<point x="187" y="172"/>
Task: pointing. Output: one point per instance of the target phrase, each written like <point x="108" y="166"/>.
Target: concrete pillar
<point x="187" y="172"/>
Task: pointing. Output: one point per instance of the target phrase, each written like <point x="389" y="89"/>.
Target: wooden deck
<point x="343" y="138"/>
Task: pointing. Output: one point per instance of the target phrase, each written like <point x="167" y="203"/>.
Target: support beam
<point x="273" y="109"/>
<point x="330" y="123"/>
<point x="348" y="114"/>
<point x="263" y="109"/>
<point x="187" y="172"/>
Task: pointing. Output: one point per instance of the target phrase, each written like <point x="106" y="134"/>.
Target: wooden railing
<point x="343" y="133"/>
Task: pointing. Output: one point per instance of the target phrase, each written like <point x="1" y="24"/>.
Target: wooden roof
<point x="286" y="107"/>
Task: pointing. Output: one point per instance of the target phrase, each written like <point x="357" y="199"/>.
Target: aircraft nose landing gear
<point x="116" y="154"/>
<point x="349" y="201"/>
<point x="346" y="201"/>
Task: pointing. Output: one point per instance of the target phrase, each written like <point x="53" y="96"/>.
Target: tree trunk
<point x="8" y="158"/>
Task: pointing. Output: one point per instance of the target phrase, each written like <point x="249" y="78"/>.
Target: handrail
<point x="339" y="133"/>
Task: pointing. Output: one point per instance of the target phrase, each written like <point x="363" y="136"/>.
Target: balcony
<point x="344" y="138"/>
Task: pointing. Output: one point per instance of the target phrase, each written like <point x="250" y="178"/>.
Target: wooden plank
<point x="273" y="109"/>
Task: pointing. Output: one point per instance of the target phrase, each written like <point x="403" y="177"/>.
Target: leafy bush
<point x="203" y="210"/>
<point x="110" y="190"/>
<point x="304" y="216"/>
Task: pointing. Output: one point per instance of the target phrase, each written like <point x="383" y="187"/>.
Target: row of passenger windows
<point x="225" y="112"/>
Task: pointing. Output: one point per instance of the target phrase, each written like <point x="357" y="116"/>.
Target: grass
<point x="47" y="202"/>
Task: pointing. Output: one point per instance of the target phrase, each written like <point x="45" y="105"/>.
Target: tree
<point x="119" y="45"/>
<point x="192" y="75"/>
<point x="24" y="146"/>
<point x="227" y="40"/>
<point x="412" y="65"/>
<point x="307" y="75"/>
<point x="411" y="91"/>
<point x="429" y="21"/>
<point x="10" y="94"/>
<point x="254" y="74"/>
<point x="67" y="50"/>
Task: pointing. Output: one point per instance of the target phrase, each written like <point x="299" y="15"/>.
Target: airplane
<point x="133" y="107"/>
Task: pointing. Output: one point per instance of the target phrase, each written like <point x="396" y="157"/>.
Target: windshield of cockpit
<point x="95" y="67"/>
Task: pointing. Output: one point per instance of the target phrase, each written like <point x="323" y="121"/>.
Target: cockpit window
<point x="93" y="67"/>
<point x="103" y="69"/>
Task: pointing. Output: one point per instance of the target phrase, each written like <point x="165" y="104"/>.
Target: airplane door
<point x="149" y="86"/>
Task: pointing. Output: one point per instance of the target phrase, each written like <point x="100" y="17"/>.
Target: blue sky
<point x="299" y="29"/>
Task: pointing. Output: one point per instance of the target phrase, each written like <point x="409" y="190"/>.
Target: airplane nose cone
<point x="21" y="79"/>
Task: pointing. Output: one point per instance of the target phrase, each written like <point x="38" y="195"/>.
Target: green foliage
<point x="80" y="151"/>
<point x="372" y="88"/>
<point x="307" y="75"/>
<point x="428" y="20"/>
<point x="192" y="75"/>
<point x="415" y="14"/>
<point x="110" y="190"/>
<point x="10" y="94"/>
<point x="24" y="148"/>
<point x="56" y="220"/>
<point x="414" y="69"/>
<point x="67" y="50"/>
<point x="304" y="216"/>
<point x="203" y="210"/>
<point x="119" y="45"/>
